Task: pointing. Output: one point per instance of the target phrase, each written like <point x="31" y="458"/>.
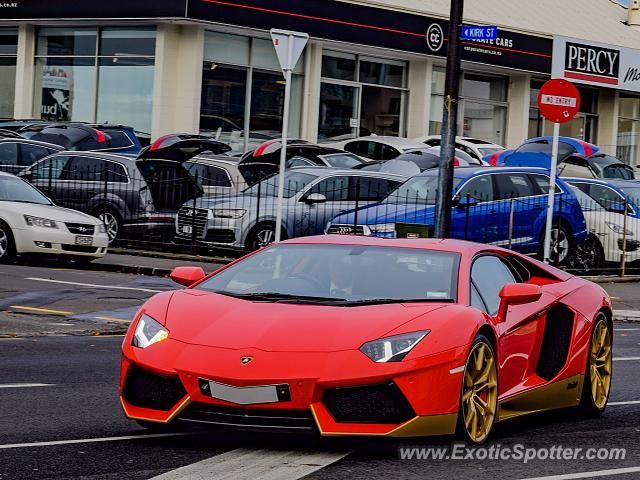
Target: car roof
<point x="399" y="142"/>
<point x="53" y="146"/>
<point x="610" y="182"/>
<point x="98" y="154"/>
<point x="470" y="171"/>
<point x="320" y="171"/>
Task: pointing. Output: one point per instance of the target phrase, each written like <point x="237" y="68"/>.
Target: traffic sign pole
<point x="285" y="133"/>
<point x="552" y="192"/>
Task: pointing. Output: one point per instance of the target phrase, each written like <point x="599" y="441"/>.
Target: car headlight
<point x="228" y="213"/>
<point x="40" y="222"/>
<point x="102" y="228"/>
<point x="619" y="229"/>
<point x="382" y="228"/>
<point x="148" y="331"/>
<point x="392" y="349"/>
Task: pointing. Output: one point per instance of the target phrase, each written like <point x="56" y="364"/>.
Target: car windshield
<point x="633" y="194"/>
<point x="294" y="183"/>
<point x="343" y="160"/>
<point x="340" y="274"/>
<point x="587" y="203"/>
<point x="418" y="190"/>
<point x="14" y="189"/>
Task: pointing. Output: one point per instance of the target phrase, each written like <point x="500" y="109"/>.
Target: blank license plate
<point x="84" y="240"/>
<point x="187" y="229"/>
<point x="245" y="395"/>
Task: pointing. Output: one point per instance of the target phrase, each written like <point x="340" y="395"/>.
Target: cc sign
<point x="435" y="37"/>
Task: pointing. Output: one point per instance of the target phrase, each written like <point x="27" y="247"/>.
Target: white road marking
<point x="625" y="359"/>
<point x="25" y="385"/>
<point x="630" y="402"/>
<point x="91" y="440"/>
<point x="597" y="473"/>
<point x="245" y="464"/>
<point x="626" y="329"/>
<point x="93" y="285"/>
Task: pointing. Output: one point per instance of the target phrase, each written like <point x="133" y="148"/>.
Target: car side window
<point x="476" y="299"/>
<point x="494" y="268"/>
<point x="50" y="168"/>
<point x="85" y="169"/>
<point x="8" y="153"/>
<point x="389" y="153"/>
<point x="352" y="147"/>
<point x="513" y="185"/>
<point x="371" y="188"/>
<point x="336" y="189"/>
<point x="479" y="189"/>
<point x="299" y="162"/>
<point x="605" y="196"/>
<point x="30" y="154"/>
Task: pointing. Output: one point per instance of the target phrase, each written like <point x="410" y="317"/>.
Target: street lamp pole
<point x="449" y="122"/>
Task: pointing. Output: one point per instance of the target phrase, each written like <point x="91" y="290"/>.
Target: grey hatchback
<point x="312" y="197"/>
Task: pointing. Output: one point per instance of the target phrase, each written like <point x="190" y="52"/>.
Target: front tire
<point x="262" y="235"/>
<point x="112" y="221"/>
<point x="561" y="243"/>
<point x="479" y="394"/>
<point x="593" y="254"/>
<point x="7" y="244"/>
<point x="597" y="378"/>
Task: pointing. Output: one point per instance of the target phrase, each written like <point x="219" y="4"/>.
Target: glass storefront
<point x="360" y="96"/>
<point x="95" y="75"/>
<point x="582" y="126"/>
<point x="628" y="149"/>
<point x="243" y="92"/>
<point x="483" y="106"/>
<point x="8" y="52"/>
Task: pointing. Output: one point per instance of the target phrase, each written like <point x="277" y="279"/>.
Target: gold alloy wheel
<point x="600" y="364"/>
<point x="479" y="392"/>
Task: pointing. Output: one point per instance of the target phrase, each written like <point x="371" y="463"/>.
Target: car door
<point x="84" y="179"/>
<point x="474" y="216"/>
<point x="517" y="333"/>
<point x="9" y="157"/>
<point x="311" y="218"/>
<point x="517" y="209"/>
<point x="47" y="174"/>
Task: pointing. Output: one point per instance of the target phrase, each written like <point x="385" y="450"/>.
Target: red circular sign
<point x="558" y="101"/>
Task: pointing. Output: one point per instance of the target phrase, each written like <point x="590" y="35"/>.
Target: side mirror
<point x="464" y="202"/>
<point x="315" y="198"/>
<point x="26" y="175"/>
<point x="617" y="207"/>
<point x="517" y="294"/>
<point x="187" y="276"/>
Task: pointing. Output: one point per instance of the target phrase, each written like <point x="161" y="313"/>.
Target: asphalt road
<point x="60" y="416"/>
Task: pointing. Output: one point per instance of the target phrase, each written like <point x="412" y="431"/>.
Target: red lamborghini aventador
<point x="367" y="336"/>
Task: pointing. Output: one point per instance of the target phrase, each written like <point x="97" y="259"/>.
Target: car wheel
<point x="7" y="244"/>
<point x="561" y="244"/>
<point x="593" y="254"/>
<point x="262" y="235"/>
<point x="597" y="378"/>
<point x="111" y="220"/>
<point x="479" y="393"/>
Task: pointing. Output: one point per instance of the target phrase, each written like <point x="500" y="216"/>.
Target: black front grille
<point x="79" y="248"/>
<point x="194" y="218"/>
<point x="80" y="228"/>
<point x="147" y="390"/>
<point x="220" y="235"/>
<point x="631" y="245"/>
<point x="382" y="403"/>
<point x="245" y="418"/>
<point x="346" y="230"/>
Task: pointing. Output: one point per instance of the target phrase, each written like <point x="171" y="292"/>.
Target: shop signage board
<point x="559" y="102"/>
<point x="596" y="64"/>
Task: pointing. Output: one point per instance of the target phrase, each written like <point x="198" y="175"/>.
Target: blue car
<point x="499" y="206"/>
<point x="122" y="139"/>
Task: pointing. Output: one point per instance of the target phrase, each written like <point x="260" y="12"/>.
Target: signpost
<point x="471" y="32"/>
<point x="289" y="46"/>
<point x="559" y="102"/>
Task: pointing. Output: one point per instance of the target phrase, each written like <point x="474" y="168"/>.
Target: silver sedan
<point x="312" y="197"/>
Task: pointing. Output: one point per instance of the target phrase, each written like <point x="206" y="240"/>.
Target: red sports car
<point x="367" y="336"/>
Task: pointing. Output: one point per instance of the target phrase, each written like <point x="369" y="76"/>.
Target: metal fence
<point x="163" y="207"/>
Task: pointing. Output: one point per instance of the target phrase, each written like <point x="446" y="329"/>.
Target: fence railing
<point x="161" y="207"/>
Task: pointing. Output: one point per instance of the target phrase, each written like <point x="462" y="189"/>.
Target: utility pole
<point x="449" y="122"/>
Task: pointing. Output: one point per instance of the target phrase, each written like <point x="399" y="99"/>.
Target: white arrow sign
<point x="281" y="40"/>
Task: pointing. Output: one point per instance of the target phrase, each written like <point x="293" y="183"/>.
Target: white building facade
<point x="370" y="67"/>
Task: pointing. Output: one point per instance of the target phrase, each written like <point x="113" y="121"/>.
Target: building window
<point x="582" y="126"/>
<point x="95" y="75"/>
<point x="628" y="149"/>
<point x="8" y="54"/>
<point x="243" y="92"/>
<point x="483" y="106"/>
<point x="361" y="96"/>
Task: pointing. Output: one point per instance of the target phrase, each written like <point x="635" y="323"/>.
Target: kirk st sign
<point x="596" y="64"/>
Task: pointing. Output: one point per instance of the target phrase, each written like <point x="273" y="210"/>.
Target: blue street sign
<point x="471" y="32"/>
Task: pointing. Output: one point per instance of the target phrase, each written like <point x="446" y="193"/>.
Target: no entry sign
<point x="559" y="101"/>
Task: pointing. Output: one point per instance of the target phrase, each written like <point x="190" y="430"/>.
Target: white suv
<point x="31" y="224"/>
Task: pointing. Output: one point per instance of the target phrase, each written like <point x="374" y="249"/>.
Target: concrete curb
<point x="175" y="256"/>
<point x="632" y="316"/>
<point x="132" y="269"/>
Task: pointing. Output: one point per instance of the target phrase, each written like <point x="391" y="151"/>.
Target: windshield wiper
<point x="281" y="297"/>
<point x="380" y="301"/>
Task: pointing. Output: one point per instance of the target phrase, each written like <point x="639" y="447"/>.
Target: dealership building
<point x="369" y="67"/>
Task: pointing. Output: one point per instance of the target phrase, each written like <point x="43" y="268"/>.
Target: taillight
<point x="493" y="161"/>
<point x="456" y="162"/>
<point x="101" y="136"/>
